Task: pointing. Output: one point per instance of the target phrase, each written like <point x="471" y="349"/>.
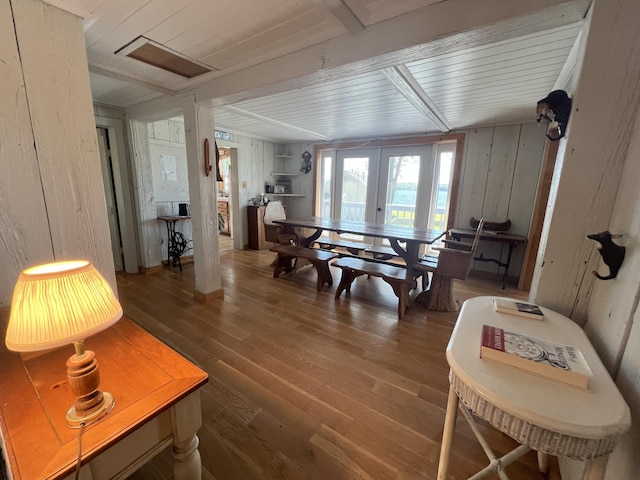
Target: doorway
<point x="225" y="199"/>
<point x="110" y="198"/>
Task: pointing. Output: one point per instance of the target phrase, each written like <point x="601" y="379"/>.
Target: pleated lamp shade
<point x="59" y="303"/>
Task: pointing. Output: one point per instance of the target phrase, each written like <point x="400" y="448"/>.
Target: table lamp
<point x="59" y="303"/>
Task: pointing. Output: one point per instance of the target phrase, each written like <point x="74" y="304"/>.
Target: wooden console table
<point x="538" y="413"/>
<point x="157" y="404"/>
<point x="499" y="237"/>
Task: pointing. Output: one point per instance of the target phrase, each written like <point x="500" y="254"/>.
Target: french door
<point x="388" y="185"/>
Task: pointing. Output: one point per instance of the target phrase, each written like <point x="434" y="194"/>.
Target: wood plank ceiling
<point x="472" y="84"/>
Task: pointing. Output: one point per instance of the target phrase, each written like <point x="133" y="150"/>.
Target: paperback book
<point x="528" y="310"/>
<point x="563" y="363"/>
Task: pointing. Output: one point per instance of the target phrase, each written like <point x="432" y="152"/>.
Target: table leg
<point x="186" y="419"/>
<point x="595" y="469"/>
<point x="171" y="229"/>
<point x="506" y="267"/>
<point x="447" y="434"/>
<point x="543" y="462"/>
<point x="308" y="241"/>
<point x="187" y="465"/>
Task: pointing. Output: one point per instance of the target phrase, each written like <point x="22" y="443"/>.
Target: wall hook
<point x="612" y="254"/>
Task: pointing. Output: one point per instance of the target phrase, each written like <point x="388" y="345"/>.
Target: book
<point x="528" y="310"/>
<point x="563" y="363"/>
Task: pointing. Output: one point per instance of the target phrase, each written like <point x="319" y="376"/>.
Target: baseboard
<point x="207" y="297"/>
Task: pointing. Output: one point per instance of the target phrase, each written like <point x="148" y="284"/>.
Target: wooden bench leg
<point x="401" y="290"/>
<point x="324" y="273"/>
<point x="347" y="278"/>
<point x="282" y="264"/>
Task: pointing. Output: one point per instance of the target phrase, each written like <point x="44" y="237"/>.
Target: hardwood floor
<point x="304" y="386"/>
<point x="225" y="243"/>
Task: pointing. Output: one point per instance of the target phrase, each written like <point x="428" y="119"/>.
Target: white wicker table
<point x="540" y="414"/>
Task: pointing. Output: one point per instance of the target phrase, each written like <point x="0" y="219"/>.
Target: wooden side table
<point x="157" y="404"/>
<point x="540" y="414"/>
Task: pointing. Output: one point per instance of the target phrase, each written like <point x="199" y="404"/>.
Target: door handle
<point x="379" y="209"/>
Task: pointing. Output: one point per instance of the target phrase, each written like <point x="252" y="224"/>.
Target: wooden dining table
<point x="411" y="237"/>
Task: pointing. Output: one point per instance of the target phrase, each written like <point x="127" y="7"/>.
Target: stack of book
<point x="555" y="361"/>
<point x="522" y="309"/>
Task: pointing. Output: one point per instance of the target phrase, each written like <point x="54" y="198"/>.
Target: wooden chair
<point x="272" y="231"/>
<point x="452" y="263"/>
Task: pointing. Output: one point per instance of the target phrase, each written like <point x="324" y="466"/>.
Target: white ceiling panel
<point x="490" y="84"/>
<point x="118" y="93"/>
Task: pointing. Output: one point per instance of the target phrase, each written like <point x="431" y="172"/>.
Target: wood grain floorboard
<point x="306" y="386"/>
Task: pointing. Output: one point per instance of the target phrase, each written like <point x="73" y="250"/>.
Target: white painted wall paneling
<point x="595" y="186"/>
<point x="24" y="233"/>
<point x="198" y="125"/>
<point x="149" y="241"/>
<point x="52" y="52"/>
<point x="500" y="173"/>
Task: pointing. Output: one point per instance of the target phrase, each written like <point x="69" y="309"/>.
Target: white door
<point x="404" y="186"/>
<point x="356" y="182"/>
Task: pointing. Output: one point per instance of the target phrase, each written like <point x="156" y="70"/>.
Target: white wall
<point x="614" y="317"/>
<point x="51" y="192"/>
<point x="595" y="188"/>
<point x="166" y="139"/>
<point x="255" y="162"/>
<point x="499" y="178"/>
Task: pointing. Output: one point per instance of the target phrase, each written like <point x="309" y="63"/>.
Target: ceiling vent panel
<point x="153" y="53"/>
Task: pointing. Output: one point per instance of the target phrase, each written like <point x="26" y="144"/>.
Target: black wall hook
<point x="612" y="254"/>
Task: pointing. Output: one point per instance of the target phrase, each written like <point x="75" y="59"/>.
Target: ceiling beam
<point x="359" y="9"/>
<point x="407" y="85"/>
<point x="277" y="123"/>
<point x="568" y="76"/>
<point x="347" y="17"/>
<point x="434" y="30"/>
<point x="132" y="80"/>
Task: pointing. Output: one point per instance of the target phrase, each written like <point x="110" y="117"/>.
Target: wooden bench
<point x="351" y="246"/>
<point x="389" y="255"/>
<point x="287" y="254"/>
<point x="380" y="252"/>
<point x="394" y="275"/>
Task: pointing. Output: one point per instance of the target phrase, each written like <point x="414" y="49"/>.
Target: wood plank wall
<point x="51" y="192"/>
<point x="500" y="174"/>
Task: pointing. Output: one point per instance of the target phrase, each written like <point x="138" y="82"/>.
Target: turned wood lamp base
<point x="83" y="377"/>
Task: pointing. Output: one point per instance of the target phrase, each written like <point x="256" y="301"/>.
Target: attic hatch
<point x="153" y="53"/>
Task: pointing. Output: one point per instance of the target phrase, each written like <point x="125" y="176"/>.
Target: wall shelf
<point x="285" y="183"/>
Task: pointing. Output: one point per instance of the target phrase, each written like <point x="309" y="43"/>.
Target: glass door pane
<point x="441" y="194"/>
<point x="324" y="200"/>
<point x="405" y="185"/>
<point x="356" y="175"/>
